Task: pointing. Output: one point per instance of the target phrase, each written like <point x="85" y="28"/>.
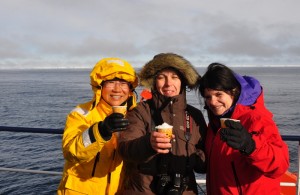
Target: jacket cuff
<point x="148" y="145"/>
<point x="93" y="135"/>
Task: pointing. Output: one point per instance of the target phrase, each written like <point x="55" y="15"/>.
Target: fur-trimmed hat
<point x="168" y="60"/>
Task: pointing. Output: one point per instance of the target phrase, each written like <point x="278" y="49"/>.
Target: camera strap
<point x="187" y="126"/>
<point x="187" y="135"/>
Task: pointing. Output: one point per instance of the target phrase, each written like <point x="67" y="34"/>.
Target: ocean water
<point x="43" y="98"/>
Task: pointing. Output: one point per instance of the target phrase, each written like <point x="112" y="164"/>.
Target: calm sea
<point x="43" y="98"/>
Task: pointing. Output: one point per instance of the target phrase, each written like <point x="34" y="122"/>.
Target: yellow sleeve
<point x="81" y="139"/>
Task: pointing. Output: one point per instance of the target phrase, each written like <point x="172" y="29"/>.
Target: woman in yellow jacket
<point x="92" y="165"/>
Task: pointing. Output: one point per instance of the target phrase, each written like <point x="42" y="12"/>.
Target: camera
<point x="175" y="188"/>
<point x="172" y="185"/>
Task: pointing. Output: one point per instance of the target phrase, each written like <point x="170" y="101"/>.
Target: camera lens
<point x="177" y="180"/>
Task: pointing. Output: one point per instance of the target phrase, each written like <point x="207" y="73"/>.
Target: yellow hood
<point x="108" y="69"/>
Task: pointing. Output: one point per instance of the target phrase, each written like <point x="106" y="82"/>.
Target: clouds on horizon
<point x="71" y="33"/>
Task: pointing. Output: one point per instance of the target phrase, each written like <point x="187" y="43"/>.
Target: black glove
<point x="237" y="137"/>
<point x="112" y="123"/>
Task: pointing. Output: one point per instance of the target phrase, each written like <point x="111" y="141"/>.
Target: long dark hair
<point x="220" y="77"/>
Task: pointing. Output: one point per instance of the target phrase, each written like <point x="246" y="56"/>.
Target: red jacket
<point x="230" y="172"/>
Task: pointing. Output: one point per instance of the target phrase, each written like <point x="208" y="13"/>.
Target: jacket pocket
<point x="84" y="186"/>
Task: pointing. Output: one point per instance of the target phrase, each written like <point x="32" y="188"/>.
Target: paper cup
<point x="120" y="109"/>
<point x="168" y="132"/>
<point x="222" y="121"/>
<point x="165" y="128"/>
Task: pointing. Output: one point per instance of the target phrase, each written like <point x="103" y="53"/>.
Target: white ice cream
<point x="164" y="126"/>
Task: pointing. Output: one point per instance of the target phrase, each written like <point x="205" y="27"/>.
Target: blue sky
<point x="77" y="34"/>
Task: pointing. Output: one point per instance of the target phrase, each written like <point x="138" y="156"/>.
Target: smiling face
<point x="218" y="101"/>
<point x="168" y="83"/>
<point x="115" y="92"/>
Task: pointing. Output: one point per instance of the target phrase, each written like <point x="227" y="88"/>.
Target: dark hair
<point x="180" y="75"/>
<point x="220" y="77"/>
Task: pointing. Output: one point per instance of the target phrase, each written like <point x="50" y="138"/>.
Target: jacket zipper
<point x="239" y="188"/>
<point x="172" y="122"/>
<point x="95" y="163"/>
<point x="109" y="172"/>
<point x="208" y="164"/>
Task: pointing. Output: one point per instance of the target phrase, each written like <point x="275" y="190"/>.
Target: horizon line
<point x="199" y="66"/>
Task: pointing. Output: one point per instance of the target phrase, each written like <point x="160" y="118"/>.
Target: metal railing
<point x="60" y="131"/>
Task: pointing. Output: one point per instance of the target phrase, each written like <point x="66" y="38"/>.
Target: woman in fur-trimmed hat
<point x="153" y="162"/>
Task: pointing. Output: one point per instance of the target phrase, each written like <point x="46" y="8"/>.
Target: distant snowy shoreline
<point x="89" y="68"/>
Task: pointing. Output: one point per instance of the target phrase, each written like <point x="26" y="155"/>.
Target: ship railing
<point x="293" y="138"/>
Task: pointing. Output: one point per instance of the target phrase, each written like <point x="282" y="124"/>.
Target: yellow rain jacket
<point x="92" y="165"/>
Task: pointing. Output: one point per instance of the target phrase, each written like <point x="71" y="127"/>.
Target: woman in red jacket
<point x="246" y="157"/>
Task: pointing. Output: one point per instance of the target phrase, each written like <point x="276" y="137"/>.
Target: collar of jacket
<point x="161" y="101"/>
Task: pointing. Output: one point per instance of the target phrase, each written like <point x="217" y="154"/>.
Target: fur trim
<point x="168" y="60"/>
